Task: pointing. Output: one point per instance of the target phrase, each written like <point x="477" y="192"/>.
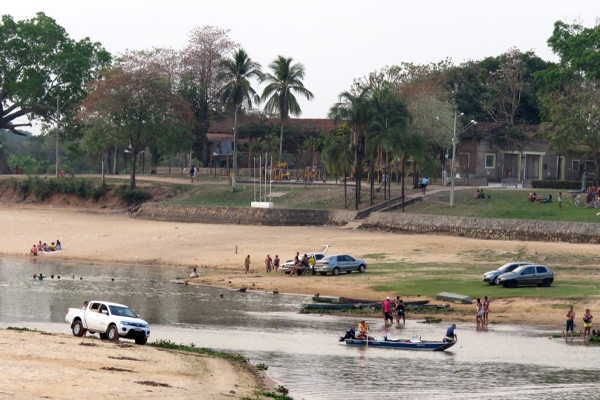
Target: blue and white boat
<point x="414" y="343"/>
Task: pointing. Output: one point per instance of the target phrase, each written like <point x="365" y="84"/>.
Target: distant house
<point x="483" y="153"/>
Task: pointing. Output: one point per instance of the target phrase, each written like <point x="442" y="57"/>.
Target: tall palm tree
<point x="236" y="90"/>
<point x="285" y="80"/>
<point x="357" y="111"/>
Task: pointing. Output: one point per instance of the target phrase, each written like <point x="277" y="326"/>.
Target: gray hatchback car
<point x="539" y="275"/>
<point x="492" y="277"/>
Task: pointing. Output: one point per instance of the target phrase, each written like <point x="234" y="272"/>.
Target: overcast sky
<point x="336" y="40"/>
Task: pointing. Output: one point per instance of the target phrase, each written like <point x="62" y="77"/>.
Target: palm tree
<point x="285" y="80"/>
<point x="236" y="90"/>
<point x="357" y="111"/>
<point x="337" y="154"/>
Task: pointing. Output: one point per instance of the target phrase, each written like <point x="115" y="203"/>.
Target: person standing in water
<point x="570" y="322"/>
<point x="587" y="323"/>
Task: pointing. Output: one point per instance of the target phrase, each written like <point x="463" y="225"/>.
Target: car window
<point x="122" y="311"/>
<point x="348" y="258"/>
<point x="511" y="268"/>
<point x="319" y="256"/>
<point x="95" y="307"/>
<point x="541" y="270"/>
<point x="528" y="271"/>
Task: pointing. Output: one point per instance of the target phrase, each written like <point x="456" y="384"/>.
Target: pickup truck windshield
<point x="122" y="311"/>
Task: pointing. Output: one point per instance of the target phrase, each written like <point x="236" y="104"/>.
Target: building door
<point x="532" y="167"/>
<point x="510" y="169"/>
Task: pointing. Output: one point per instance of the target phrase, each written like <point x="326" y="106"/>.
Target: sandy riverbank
<point x="113" y="237"/>
<point x="41" y="365"/>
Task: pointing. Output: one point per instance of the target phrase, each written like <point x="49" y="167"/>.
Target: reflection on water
<point x="302" y="351"/>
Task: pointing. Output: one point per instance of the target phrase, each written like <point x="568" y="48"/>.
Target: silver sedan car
<point x="528" y="275"/>
<point x="340" y="263"/>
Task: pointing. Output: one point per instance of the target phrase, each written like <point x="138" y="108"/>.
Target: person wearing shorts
<point x="387" y="311"/>
<point x="587" y="323"/>
<point x="479" y="313"/>
<point x="570" y="322"/>
<point x="276" y="263"/>
<point x="486" y="310"/>
<point x="424" y="183"/>
<point x="247" y="264"/>
<point x="400" y="310"/>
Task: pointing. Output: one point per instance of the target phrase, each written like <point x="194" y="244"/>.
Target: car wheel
<point x="78" y="329"/>
<point x="361" y="268"/>
<point x="546" y="282"/>
<point x="112" y="333"/>
<point x="336" y="271"/>
<point x="323" y="273"/>
<point x="141" y="341"/>
<point x="496" y="281"/>
<point x="512" y="284"/>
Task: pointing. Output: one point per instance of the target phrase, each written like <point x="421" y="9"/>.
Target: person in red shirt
<point x="387" y="311"/>
<point x="33" y="250"/>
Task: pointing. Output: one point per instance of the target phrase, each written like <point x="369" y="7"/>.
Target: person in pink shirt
<point x="387" y="311"/>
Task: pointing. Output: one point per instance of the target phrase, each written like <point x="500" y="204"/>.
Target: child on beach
<point x="247" y="264"/>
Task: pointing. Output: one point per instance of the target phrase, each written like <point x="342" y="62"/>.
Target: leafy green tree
<point x="285" y="80"/>
<point x="137" y="107"/>
<point x="574" y="118"/>
<point x="38" y="63"/>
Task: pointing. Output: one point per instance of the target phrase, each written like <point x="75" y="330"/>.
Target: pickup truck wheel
<point x="336" y="271"/>
<point x="112" y="333"/>
<point x="141" y="341"/>
<point x="78" y="329"/>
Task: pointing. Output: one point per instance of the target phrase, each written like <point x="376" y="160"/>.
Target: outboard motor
<point x="350" y="334"/>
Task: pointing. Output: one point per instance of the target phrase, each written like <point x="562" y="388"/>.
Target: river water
<point x="302" y="351"/>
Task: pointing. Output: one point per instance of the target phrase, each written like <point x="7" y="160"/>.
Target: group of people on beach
<point x="587" y="323"/>
<point x="44" y="248"/>
<point x="271" y="264"/>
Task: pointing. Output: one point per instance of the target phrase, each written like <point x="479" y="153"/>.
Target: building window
<point x="490" y="161"/>
<point x="575" y="166"/>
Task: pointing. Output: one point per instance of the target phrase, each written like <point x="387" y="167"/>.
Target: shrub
<point x="567" y="185"/>
<point x="132" y="196"/>
<point x="44" y="188"/>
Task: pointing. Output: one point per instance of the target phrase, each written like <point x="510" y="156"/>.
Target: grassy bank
<point x="512" y="204"/>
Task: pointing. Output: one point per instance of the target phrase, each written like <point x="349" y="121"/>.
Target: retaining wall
<point x="244" y="215"/>
<point x="485" y="228"/>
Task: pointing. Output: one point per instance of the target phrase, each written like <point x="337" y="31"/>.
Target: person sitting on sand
<point x="45" y="247"/>
<point x="52" y="247"/>
<point x="40" y="246"/>
<point x="194" y="274"/>
<point x="33" y="250"/>
<point x="58" y="245"/>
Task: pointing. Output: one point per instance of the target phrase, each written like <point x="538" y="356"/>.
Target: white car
<point x="288" y="266"/>
<point x="110" y="320"/>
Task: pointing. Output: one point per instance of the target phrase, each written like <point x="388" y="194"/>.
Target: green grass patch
<point x="377" y="256"/>
<point x="43" y="189"/>
<point x="512" y="204"/>
<point x="167" y="344"/>
<point x="15" y="328"/>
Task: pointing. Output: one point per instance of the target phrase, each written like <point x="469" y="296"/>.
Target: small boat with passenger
<point x="388" y="342"/>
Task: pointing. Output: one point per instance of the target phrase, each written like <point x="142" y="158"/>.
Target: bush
<point x="567" y="185"/>
<point x="42" y="189"/>
<point x="132" y="196"/>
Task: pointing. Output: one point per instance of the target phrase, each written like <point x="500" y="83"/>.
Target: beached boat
<point x="402" y="344"/>
<point x="47" y="253"/>
<point x="320" y="299"/>
<point x="325" y="306"/>
<point x="350" y="300"/>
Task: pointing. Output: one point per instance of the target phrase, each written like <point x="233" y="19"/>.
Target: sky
<point x="336" y="40"/>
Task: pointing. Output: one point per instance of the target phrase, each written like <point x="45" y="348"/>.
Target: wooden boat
<point x="402" y="344"/>
<point x="350" y="300"/>
<point x="325" y="306"/>
<point x="320" y="299"/>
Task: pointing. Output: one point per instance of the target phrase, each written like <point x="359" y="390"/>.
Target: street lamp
<point x="455" y="135"/>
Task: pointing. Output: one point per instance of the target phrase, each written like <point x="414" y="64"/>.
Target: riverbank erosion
<point x="405" y="265"/>
<point x="43" y="365"/>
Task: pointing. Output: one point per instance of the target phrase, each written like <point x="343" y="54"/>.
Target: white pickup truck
<point x="110" y="320"/>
